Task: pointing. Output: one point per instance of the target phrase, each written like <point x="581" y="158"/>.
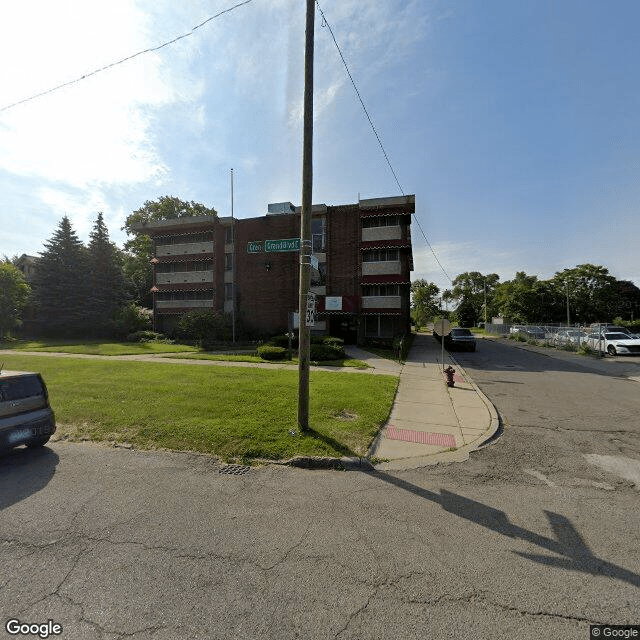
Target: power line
<point x="325" y="23"/>
<point x="115" y="64"/>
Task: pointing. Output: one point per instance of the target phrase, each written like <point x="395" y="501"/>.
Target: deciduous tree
<point x="139" y="248"/>
<point x="14" y="293"/>
<point x="424" y="302"/>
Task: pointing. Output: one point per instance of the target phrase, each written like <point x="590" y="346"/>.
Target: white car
<point x="614" y="343"/>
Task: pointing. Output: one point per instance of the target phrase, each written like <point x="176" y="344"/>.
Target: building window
<point x="381" y="290"/>
<point x="319" y="234"/>
<point x="380" y="221"/>
<point x="228" y="261"/>
<point x="380" y="255"/>
<point x="379" y="327"/>
<point x="228" y="291"/>
<point x="228" y="234"/>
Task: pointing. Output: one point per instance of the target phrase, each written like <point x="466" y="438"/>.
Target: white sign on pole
<point x="311" y="317"/>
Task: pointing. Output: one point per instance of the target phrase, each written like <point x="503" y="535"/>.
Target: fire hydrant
<point x="449" y="371"/>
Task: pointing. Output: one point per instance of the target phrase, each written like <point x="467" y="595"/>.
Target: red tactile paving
<point x="421" y="437"/>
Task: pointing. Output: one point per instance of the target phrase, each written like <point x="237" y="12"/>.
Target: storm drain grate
<point x="421" y="437"/>
<point x="234" y="469"/>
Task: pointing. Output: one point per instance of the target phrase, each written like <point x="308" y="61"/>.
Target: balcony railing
<point x="370" y="234"/>
<point x="190" y="248"/>
<point x="180" y="304"/>
<point x="381" y="302"/>
<point x="180" y="277"/>
<point x="381" y="268"/>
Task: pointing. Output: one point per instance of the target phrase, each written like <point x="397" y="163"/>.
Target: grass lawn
<point x="232" y="412"/>
<point x="97" y="348"/>
<point x="245" y="357"/>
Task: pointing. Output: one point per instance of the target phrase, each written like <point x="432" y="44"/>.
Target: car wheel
<point x="38" y="442"/>
<point x="611" y="350"/>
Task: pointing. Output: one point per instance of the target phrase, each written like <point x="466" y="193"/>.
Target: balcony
<point x="381" y="268"/>
<point x="184" y="304"/>
<point x="381" y="302"/>
<point x="370" y="234"/>
<point x="191" y="248"/>
<point x="180" y="277"/>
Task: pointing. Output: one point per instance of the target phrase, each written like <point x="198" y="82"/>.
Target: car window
<point x="22" y="387"/>
<point x="616" y="336"/>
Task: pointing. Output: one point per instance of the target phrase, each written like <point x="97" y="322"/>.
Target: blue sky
<point x="516" y="124"/>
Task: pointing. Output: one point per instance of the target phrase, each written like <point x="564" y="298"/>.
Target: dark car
<point x="25" y="414"/>
<point x="460" y="339"/>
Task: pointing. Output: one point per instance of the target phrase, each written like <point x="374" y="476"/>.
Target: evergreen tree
<point x="106" y="283"/>
<point x="60" y="284"/>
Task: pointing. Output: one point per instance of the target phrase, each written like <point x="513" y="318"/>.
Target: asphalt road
<point x="528" y="539"/>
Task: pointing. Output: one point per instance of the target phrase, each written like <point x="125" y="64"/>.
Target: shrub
<point x="333" y="341"/>
<point x="320" y="352"/>
<point x="203" y="327"/>
<point x="282" y="340"/>
<point x="271" y="352"/>
<point x="146" y="336"/>
<point x="131" y="319"/>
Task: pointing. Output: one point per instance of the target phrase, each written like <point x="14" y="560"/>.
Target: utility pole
<point x="304" y="338"/>
<point x="233" y="268"/>
<point x="566" y="283"/>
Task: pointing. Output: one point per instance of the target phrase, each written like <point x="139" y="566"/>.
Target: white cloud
<point x="97" y="130"/>
<point x="458" y="257"/>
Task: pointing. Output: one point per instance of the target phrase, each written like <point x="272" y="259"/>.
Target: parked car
<point x="25" y="414"/>
<point x="461" y="339"/>
<point x="537" y="333"/>
<point x="614" y="343"/>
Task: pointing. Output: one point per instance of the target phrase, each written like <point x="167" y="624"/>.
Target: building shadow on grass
<point x="572" y="552"/>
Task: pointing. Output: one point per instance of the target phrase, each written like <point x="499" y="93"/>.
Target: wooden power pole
<point x="304" y="337"/>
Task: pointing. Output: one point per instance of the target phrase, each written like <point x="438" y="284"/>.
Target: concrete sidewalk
<point x="430" y="422"/>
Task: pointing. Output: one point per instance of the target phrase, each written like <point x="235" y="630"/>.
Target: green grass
<point x="232" y="412"/>
<point x="97" y="348"/>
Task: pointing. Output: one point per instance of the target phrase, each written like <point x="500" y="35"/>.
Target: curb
<point x="445" y="457"/>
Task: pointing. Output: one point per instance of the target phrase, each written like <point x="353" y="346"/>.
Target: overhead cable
<point x="118" y="62"/>
<point x="325" y="23"/>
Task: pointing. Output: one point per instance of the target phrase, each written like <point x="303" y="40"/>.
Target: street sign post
<point x="442" y="328"/>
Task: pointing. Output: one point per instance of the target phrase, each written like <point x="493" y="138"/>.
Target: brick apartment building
<point x="362" y="279"/>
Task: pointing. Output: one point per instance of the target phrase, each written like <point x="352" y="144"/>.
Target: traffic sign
<point x="311" y="317"/>
<point x="442" y="327"/>
<point x="255" y="247"/>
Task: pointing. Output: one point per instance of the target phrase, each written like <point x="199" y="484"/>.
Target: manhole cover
<point x="234" y="469"/>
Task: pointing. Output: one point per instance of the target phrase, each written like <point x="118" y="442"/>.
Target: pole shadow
<point x="573" y="552"/>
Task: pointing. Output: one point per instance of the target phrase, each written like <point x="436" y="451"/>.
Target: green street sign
<point x="255" y="247"/>
<point x="290" y="244"/>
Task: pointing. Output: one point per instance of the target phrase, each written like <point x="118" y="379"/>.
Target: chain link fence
<point x="560" y="336"/>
